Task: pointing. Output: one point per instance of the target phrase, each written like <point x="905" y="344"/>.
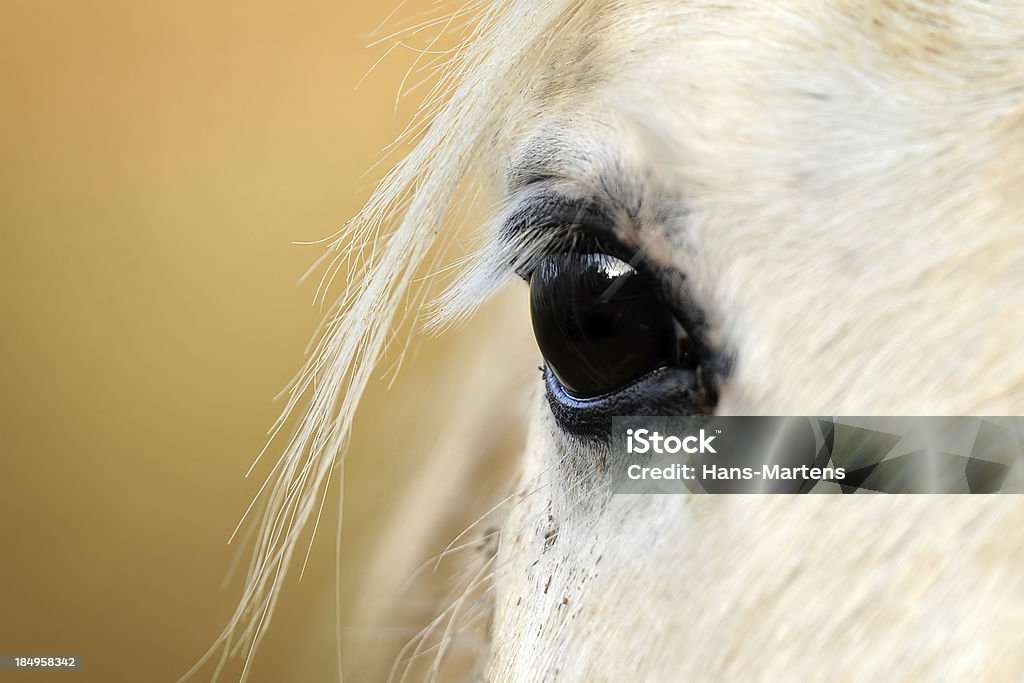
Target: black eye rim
<point x="677" y="388"/>
<point x="667" y="390"/>
<point x="545" y="216"/>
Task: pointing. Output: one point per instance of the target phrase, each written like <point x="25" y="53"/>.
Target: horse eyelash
<point x="538" y="225"/>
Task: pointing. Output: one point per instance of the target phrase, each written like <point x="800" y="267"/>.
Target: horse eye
<point x="598" y="322"/>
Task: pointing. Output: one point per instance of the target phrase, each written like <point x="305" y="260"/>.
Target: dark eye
<point x="599" y="323"/>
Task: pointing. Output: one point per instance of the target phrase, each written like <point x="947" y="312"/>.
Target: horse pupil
<point x="598" y="322"/>
<point x="598" y="326"/>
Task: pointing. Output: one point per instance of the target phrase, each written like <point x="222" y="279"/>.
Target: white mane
<point x="381" y="251"/>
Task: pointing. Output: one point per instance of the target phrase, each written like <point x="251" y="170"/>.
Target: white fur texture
<point x="840" y="183"/>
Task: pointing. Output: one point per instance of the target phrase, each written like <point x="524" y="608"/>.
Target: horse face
<point x="827" y="195"/>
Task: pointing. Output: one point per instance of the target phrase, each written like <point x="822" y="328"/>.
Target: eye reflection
<point x="599" y="323"/>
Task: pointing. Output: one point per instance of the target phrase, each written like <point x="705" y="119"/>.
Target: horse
<point x="821" y="203"/>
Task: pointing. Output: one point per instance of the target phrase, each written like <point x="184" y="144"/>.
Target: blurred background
<point x="159" y="159"/>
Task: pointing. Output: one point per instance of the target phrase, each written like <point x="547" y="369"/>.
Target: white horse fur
<point x="842" y="184"/>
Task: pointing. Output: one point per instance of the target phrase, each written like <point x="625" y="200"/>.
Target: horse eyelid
<point x="542" y="222"/>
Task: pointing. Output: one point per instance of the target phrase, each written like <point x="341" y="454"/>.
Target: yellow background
<point x="158" y="159"/>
